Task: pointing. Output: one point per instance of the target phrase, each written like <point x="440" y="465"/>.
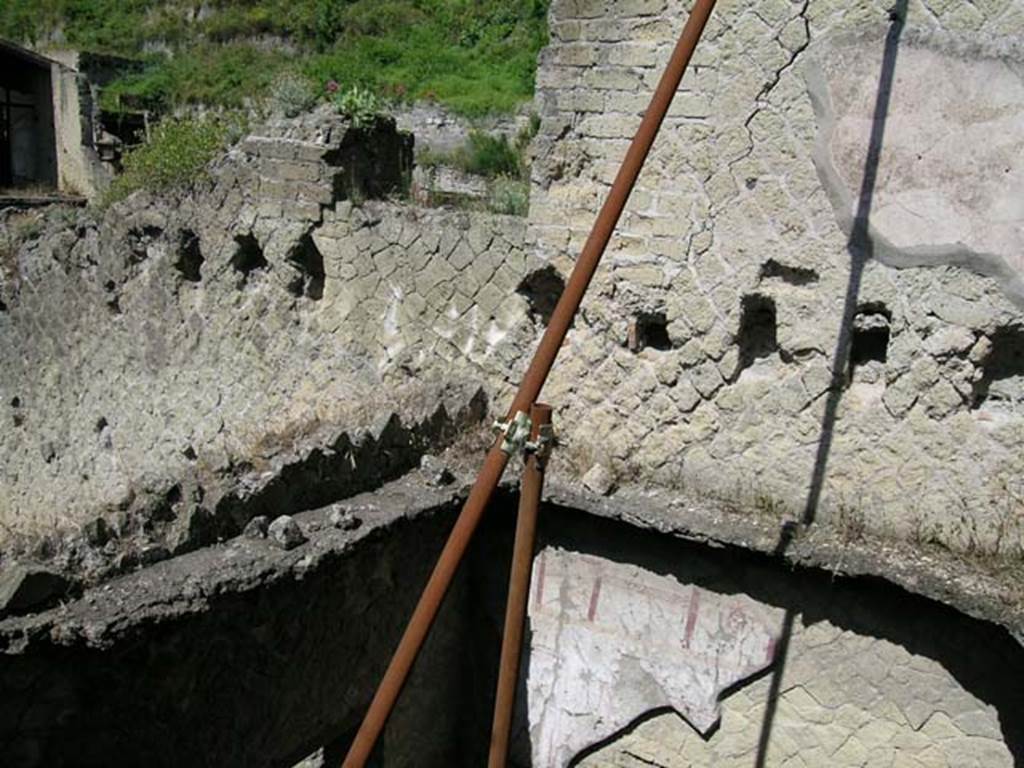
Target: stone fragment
<point x="436" y="471"/>
<point x="599" y="480"/>
<point x="981" y="350"/>
<point x="345" y="519"/>
<point x="27" y="588"/>
<point x="48" y="451"/>
<point x="949" y="341"/>
<point x="256" y="528"/>
<point x="285" y="533"/>
<point x="45" y="548"/>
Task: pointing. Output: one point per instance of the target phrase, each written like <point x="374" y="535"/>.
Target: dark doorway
<point x="28" y="154"/>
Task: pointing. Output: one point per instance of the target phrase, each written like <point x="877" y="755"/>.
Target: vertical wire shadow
<point x="861" y="249"/>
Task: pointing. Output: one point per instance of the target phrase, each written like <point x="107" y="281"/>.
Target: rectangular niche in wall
<point x="869" y="343"/>
<point x="758" y="335"/>
<point x="648" y="330"/>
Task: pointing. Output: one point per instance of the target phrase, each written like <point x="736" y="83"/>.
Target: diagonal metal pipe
<point x="561" y="320"/>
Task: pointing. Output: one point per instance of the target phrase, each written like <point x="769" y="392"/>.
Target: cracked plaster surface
<point x="845" y="700"/>
<point x="949" y="167"/>
<point x="731" y="205"/>
<point x="609" y="641"/>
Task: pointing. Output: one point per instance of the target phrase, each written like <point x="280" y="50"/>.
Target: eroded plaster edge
<point x="989" y="265"/>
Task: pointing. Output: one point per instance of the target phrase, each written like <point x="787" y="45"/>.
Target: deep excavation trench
<point x="243" y="655"/>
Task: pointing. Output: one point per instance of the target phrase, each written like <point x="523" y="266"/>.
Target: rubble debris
<point x="285" y="533"/>
<point x="256" y="528"/>
<point x="97" y="532"/>
<point x="153" y="554"/>
<point x="436" y="471"/>
<point x="345" y="519"/>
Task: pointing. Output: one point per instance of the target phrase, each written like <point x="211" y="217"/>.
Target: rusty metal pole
<point x="561" y="319"/>
<point x="519" y="582"/>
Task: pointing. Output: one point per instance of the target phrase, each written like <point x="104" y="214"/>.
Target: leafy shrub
<point x="221" y="75"/>
<point x="293" y="94"/>
<point x="360" y="105"/>
<point x="177" y="153"/>
<point x="328" y="22"/>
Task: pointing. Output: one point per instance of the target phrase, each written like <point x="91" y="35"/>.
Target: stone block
<point x="634" y="55"/>
<point x="296" y="171"/>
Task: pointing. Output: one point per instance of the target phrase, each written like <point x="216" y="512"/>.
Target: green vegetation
<point x="474" y="56"/>
<point x="360" y="105"/>
<point x="177" y="153"/>
<point x="489" y="155"/>
<point x="293" y="94"/>
<point x="502" y="162"/>
<point x="509" y="196"/>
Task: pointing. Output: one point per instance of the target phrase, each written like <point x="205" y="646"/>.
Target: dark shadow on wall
<point x="861" y="249"/>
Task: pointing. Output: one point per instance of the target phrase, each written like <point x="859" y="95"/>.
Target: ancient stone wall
<point x="244" y="654"/>
<point x="185" y="355"/>
<point x="769" y="327"/>
<point x="178" y="361"/>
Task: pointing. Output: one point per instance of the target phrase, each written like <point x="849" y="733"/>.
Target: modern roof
<point x="13" y="49"/>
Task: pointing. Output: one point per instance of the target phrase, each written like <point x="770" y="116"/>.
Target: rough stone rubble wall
<point x="207" y="335"/>
<point x="732" y="258"/>
<point x="165" y="364"/>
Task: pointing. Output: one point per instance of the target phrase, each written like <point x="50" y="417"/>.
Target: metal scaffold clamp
<point x="543" y="444"/>
<point x="516" y="433"/>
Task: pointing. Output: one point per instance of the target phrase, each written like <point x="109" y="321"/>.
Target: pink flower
<point x="332" y="86"/>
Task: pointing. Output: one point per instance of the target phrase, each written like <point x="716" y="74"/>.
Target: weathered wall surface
<point x="164" y="364"/>
<point x="779" y="357"/>
<point x="187" y="354"/>
<point x="79" y="169"/>
<point x="647" y="652"/>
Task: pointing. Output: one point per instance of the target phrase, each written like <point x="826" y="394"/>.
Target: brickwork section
<point x="731" y="245"/>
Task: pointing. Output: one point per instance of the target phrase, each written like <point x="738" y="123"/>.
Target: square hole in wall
<point x="648" y="330"/>
<point x="189" y="260"/>
<point x="542" y="289"/>
<point x="869" y="340"/>
<point x="758" y="334"/>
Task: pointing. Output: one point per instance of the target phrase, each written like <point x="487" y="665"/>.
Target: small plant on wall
<point x="360" y="105"/>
